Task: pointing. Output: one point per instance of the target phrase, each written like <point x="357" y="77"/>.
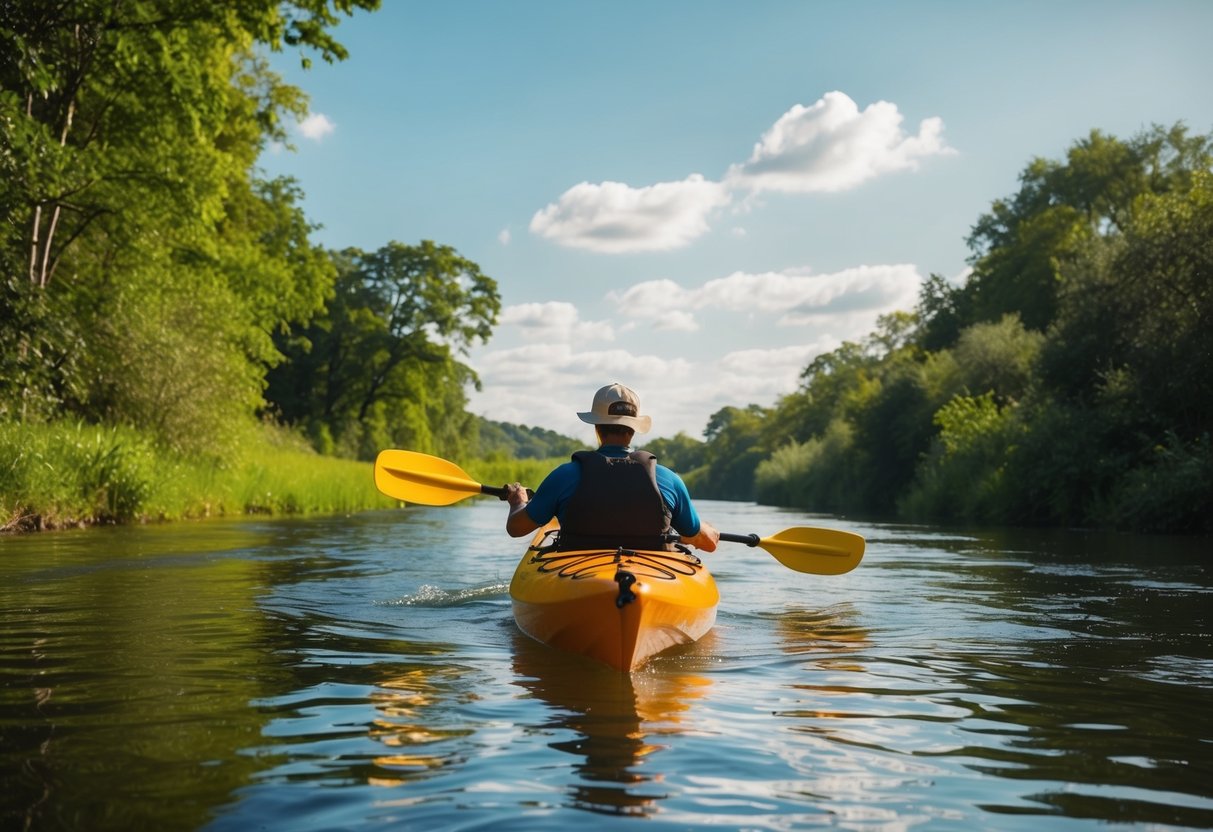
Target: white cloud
<point x="615" y="218"/>
<point x="833" y="146"/>
<point x="761" y="376"/>
<point x="316" y="126"/>
<point x="547" y="384"/>
<point x="828" y="147"/>
<point x="556" y="359"/>
<point x="554" y="322"/>
<point x="795" y="298"/>
<point x="503" y="236"/>
<point x="661" y="304"/>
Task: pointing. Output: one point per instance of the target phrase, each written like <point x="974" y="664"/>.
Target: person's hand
<point x="707" y="539"/>
<point x="516" y="495"/>
<point x="518" y="522"/>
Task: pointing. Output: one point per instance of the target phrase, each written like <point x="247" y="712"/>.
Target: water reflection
<point x="115" y="671"/>
<point x="1044" y="680"/>
<point x="409" y="715"/>
<point x="613" y="720"/>
<point x="365" y="673"/>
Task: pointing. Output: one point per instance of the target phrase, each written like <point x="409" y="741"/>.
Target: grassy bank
<point x="71" y="474"/>
<point x="68" y="474"/>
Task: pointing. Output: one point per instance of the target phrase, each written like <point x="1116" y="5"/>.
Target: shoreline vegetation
<point x="72" y="475"/>
<point x="174" y="343"/>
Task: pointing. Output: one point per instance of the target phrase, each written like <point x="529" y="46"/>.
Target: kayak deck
<point x="618" y="606"/>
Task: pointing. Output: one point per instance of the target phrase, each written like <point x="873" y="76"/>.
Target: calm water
<point x="365" y="673"/>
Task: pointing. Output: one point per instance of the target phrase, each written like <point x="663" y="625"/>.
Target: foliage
<point x="964" y="477"/>
<point x="66" y="473"/>
<point x="501" y="471"/>
<point x="818" y="473"/>
<point x="378" y="368"/>
<point x="997" y="357"/>
<point x="680" y="453"/>
<point x="144" y="264"/>
<point x="1068" y="381"/>
<point x="731" y="456"/>
<point x="1021" y="247"/>
<point x="501" y="440"/>
<point x="1170" y="491"/>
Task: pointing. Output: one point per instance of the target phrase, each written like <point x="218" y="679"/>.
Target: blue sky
<point x="696" y="198"/>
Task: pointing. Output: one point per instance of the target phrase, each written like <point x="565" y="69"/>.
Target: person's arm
<point x="518" y="523"/>
<point x="705" y="539"/>
<point x="685" y="517"/>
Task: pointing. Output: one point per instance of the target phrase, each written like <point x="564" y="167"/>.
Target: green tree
<point x="732" y="453"/>
<point x="1022" y="245"/>
<point x="381" y="367"/>
<point x="128" y="134"/>
<point x="682" y="453"/>
<point x="997" y="357"/>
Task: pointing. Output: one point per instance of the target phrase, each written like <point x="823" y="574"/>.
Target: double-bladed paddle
<point x="414" y="477"/>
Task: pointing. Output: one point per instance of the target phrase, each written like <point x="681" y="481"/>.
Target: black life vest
<point x="617" y="503"/>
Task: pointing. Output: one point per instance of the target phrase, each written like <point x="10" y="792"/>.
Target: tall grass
<point x="500" y="471"/>
<point x="70" y="473"/>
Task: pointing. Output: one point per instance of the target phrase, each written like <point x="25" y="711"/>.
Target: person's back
<point x="616" y="503"/>
<point x="613" y="496"/>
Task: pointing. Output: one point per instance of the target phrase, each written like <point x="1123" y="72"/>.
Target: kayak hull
<point x="619" y="607"/>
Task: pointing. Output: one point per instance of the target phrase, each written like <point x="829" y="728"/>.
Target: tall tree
<point x="384" y="358"/>
<point x="1022" y="245"/>
<point x="128" y="134"/>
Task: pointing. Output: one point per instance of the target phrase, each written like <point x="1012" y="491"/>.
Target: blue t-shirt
<point x="557" y="487"/>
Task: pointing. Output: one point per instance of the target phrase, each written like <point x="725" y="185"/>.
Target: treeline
<point x="507" y="441"/>
<point x="162" y="303"/>
<point x="154" y="279"/>
<point x="158" y="287"/>
<point x="1067" y="381"/>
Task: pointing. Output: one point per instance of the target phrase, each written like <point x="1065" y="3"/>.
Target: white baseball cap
<point x="617" y="405"/>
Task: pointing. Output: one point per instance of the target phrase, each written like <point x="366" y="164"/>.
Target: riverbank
<point x="69" y="474"/>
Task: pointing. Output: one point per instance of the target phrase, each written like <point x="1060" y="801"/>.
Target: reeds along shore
<point x="69" y="474"/>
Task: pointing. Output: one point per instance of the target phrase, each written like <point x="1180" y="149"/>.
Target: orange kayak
<point x="618" y="606"/>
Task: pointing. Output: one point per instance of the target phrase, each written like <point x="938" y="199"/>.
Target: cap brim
<point x="640" y="424"/>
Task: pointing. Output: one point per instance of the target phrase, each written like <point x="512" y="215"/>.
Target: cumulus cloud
<point x="316" y="126"/>
<point x="613" y="217"/>
<point x="567" y="378"/>
<point x="833" y="146"/>
<point x="828" y="147"/>
<point x="503" y="236"/>
<point x="554" y="321"/>
<point x="795" y="297"/>
<point x="763" y="375"/>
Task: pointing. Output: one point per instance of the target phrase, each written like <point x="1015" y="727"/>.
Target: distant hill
<point x="522" y="442"/>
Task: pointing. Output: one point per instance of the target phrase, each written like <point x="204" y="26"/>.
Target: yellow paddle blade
<point x="816" y="551"/>
<point x="423" y="479"/>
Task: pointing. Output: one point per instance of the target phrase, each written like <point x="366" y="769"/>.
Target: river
<point x="365" y="672"/>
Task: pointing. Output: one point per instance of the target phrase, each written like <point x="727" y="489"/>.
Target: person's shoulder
<point x="565" y="470"/>
<point x="668" y="474"/>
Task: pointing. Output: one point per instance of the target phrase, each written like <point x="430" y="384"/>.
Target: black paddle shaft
<point x="747" y="539"/>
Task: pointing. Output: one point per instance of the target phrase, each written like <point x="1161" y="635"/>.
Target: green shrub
<point x="964" y="476"/>
<point x="818" y="475"/>
<point x="1171" y="491"/>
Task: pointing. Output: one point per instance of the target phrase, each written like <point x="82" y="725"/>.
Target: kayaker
<point x="613" y="496"/>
